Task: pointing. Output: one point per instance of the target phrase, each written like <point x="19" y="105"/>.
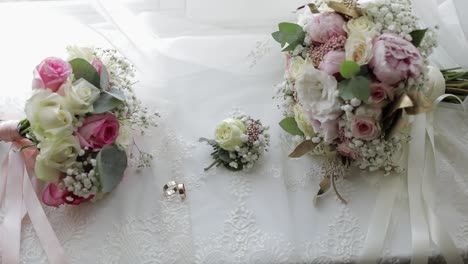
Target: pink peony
<point x="324" y="26"/>
<point x="54" y="196"/>
<point x="346" y="151"/>
<point x="51" y="73"/>
<point x="395" y="59"/>
<point x="380" y="92"/>
<point x="98" y="130"/>
<point x="331" y="62"/>
<point x="365" y="128"/>
<point x="97" y="65"/>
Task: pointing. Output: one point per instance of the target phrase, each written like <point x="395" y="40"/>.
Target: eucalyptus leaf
<point x="356" y="87"/>
<point x="289" y="125"/>
<point x="210" y="142"/>
<point x="104" y="78"/>
<point x="289" y="34"/>
<point x="345" y="91"/>
<point x="418" y="36"/>
<point x="349" y="69"/>
<point x="83" y="69"/>
<point x="111" y="165"/>
<point x="305" y="147"/>
<point x="325" y="185"/>
<point x="108" y="100"/>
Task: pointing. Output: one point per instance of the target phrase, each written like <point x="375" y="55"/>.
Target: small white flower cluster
<point x="122" y="74"/>
<point x="256" y="142"/>
<point x="396" y="16"/>
<point x="285" y="94"/>
<point x="379" y="154"/>
<point x="140" y="160"/>
<point x="81" y="180"/>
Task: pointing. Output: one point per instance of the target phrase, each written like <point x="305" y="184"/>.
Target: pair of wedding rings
<point x="172" y="188"/>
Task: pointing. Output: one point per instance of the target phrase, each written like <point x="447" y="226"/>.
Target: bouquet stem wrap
<point x="19" y="198"/>
<point x="425" y="224"/>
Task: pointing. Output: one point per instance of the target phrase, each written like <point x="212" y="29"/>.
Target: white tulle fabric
<point x="199" y="61"/>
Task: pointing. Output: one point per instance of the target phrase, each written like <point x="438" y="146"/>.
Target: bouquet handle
<point x="19" y="197"/>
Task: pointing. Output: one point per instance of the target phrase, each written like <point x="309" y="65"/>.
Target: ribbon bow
<point x="19" y="198"/>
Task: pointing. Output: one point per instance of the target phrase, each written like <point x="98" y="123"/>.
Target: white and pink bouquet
<point x="80" y="118"/>
<point x="354" y="71"/>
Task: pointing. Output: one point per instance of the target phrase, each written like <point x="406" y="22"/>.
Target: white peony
<point x="317" y="93"/>
<point x="85" y="53"/>
<point x="56" y="156"/>
<point x="80" y="96"/>
<point x="358" y="48"/>
<point x="46" y="114"/>
<point x="361" y="26"/>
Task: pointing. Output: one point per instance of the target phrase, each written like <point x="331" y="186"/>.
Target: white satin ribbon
<point x="380" y="220"/>
<point x="425" y="224"/>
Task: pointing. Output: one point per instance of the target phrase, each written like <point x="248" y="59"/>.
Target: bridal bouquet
<point x="80" y="116"/>
<point x="354" y="72"/>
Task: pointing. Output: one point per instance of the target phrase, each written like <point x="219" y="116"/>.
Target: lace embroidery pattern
<point x="341" y="244"/>
<point x="161" y="237"/>
<point x="241" y="240"/>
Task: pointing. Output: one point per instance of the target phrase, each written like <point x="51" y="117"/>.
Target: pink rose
<point x="97" y="65"/>
<point x="324" y="26"/>
<point x="331" y="62"/>
<point x="51" y="73"/>
<point x="345" y="150"/>
<point x="54" y="196"/>
<point x="395" y="59"/>
<point x="380" y="92"/>
<point x="98" y="130"/>
<point x="365" y="128"/>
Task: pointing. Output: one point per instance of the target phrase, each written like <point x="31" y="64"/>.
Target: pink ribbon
<point x="17" y="192"/>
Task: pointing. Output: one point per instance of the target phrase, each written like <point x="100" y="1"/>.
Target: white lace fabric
<point x="195" y="77"/>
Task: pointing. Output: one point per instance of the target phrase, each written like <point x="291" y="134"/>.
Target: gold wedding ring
<point x="172" y="188"/>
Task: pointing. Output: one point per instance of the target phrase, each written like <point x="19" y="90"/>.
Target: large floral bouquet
<point x="80" y="117"/>
<point x="354" y="71"/>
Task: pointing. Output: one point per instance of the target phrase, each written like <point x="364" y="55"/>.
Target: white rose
<point x="358" y="48"/>
<point x="362" y="25"/>
<point x="46" y="114"/>
<point x="296" y="67"/>
<point x="229" y="133"/>
<point x="317" y="93"/>
<point x="80" y="96"/>
<point x="435" y="84"/>
<point x="125" y="135"/>
<point x="85" y="53"/>
<point x="56" y="156"/>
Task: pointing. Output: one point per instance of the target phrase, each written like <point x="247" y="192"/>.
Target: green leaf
<point x="111" y="164"/>
<point x="108" y="100"/>
<point x="418" y="36"/>
<point x="289" y="34"/>
<point x="348" y="69"/>
<point x="356" y="87"/>
<point x="279" y="37"/>
<point x="289" y="125"/>
<point x="83" y="69"/>
<point x="104" y="78"/>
